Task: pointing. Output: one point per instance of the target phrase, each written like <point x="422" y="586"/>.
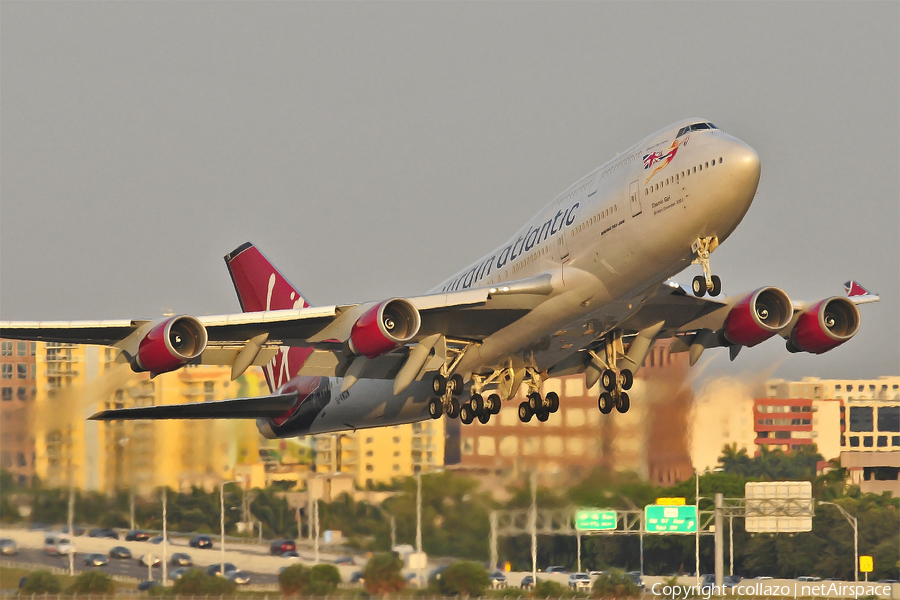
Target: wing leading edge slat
<point x="239" y="408"/>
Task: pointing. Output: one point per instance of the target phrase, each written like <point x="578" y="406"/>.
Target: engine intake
<point x="170" y="344"/>
<point x="824" y="326"/>
<point x="384" y="327"/>
<point x="758" y="316"/>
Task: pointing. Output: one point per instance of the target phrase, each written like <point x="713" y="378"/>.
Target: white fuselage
<point x="606" y="241"/>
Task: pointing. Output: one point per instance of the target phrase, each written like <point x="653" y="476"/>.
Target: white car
<point x="580" y="581"/>
<point x="56" y="544"/>
<point x="147" y="559"/>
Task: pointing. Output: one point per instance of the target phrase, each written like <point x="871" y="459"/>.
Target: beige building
<point x="74" y="382"/>
<point x="378" y="455"/>
<point x="17" y="384"/>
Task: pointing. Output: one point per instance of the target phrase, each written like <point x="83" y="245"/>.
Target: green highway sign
<point x="595" y="520"/>
<point x="660" y="518"/>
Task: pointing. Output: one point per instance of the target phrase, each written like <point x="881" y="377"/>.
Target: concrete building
<point x="18" y="388"/>
<point x="374" y="456"/>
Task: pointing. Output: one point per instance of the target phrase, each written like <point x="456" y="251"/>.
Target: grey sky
<point x="370" y="150"/>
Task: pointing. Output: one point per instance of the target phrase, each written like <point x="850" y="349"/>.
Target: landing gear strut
<point x="614" y="395"/>
<point x="539" y="407"/>
<point x="702" y="247"/>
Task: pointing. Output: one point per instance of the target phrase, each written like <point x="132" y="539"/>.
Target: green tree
<point x="382" y="574"/>
<point x="294" y="580"/>
<point x="92" y="582"/>
<point x="464" y="578"/>
<point x="197" y="583"/>
<point x="546" y="588"/>
<point x="615" y="584"/>
<point x="734" y="461"/>
<point x="41" y="582"/>
<point x="323" y="580"/>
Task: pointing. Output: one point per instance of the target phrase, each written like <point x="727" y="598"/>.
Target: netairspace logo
<point x="832" y="589"/>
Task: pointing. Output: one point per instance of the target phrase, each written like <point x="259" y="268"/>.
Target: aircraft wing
<point x="465" y="316"/>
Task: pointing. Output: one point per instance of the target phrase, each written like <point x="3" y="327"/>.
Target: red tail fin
<point x="260" y="286"/>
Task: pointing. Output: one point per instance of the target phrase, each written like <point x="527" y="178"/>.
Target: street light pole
<point x="697" y="540"/>
<point x="854" y="524"/>
<point x="165" y="540"/>
<point x="222" y="519"/>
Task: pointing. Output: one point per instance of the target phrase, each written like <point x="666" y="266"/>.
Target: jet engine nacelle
<point x="384" y="327"/>
<point x="758" y="316"/>
<point x="169" y="345"/>
<point x="824" y="326"/>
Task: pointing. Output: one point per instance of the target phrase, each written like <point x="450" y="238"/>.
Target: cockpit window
<point x="695" y="127"/>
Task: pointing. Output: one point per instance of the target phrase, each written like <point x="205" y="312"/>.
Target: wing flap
<point x="239" y="408"/>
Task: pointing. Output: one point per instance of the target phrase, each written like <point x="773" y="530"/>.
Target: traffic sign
<point x="595" y="520"/>
<point x="670" y="501"/>
<point x="866" y="564"/>
<point x="670" y="519"/>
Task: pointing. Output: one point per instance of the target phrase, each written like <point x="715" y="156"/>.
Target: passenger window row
<point x="679" y="176"/>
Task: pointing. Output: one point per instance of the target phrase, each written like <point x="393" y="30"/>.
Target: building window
<point x="22" y="371"/>
<point x="21" y="349"/>
<point x="396" y="440"/>
<point x="867" y="441"/>
<point x="22" y="393"/>
<point x="34" y="348"/>
<point x="7" y="393"/>
<point x="467" y="446"/>
<point x="895" y="440"/>
<point x="396" y="467"/>
<point x="6" y="348"/>
<point x="854" y="442"/>
<point x="370" y="468"/>
<point x="882" y="441"/>
<point x="861" y="418"/>
<point x="843" y="440"/>
<point x="370" y="440"/>
<point x="6" y="371"/>
<point x="889" y="418"/>
<point x="369" y="453"/>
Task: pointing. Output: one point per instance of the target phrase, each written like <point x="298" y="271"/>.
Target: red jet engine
<point x="170" y="344"/>
<point x="384" y="327"/>
<point x="758" y="316"/>
<point x="824" y="326"/>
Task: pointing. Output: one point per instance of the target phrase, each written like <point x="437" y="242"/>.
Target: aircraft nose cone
<point x="745" y="167"/>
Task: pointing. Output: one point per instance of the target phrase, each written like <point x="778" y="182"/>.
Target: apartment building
<point x="17" y="393"/>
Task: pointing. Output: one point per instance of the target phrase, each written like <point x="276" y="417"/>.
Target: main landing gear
<point x="447" y="390"/>
<point x="614" y="395"/>
<point x="538" y="407"/>
<point x="706" y="282"/>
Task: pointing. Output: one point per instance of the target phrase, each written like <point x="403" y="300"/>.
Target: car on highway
<point x="356" y="578"/>
<point x="729" y="581"/>
<point x="707" y="582"/>
<point x="56" y="544"/>
<point x="137" y="535"/>
<point x="78" y="530"/>
<point x="580" y="582"/>
<point x="527" y="582"/>
<point x="279" y="547"/>
<point x="8" y="546"/>
<point x="182" y="559"/>
<point x="147" y="559"/>
<point x="290" y="554"/>
<point x="178" y="573"/>
<point x="216" y="569"/>
<point x="201" y="541"/>
<point x="556" y="569"/>
<point x="146" y="585"/>
<point x="344" y="560"/>
<point x="158" y="540"/>
<point x="238" y="577"/>
<point x="498" y="580"/>
<point x="809" y="578"/>
<point x="119" y="552"/>
<point x="103" y="532"/>
<point x="636" y="578"/>
<point x="95" y="560"/>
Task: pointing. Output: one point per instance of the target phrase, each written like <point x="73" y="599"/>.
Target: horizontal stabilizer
<point x="239" y="408"/>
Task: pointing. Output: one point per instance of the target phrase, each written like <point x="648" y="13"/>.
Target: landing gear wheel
<point x="535" y="402"/>
<point x="699" y="286"/>
<point x="626" y="379"/>
<point x="605" y="403"/>
<point x="477" y="403"/>
<point x="608" y="380"/>
<point x="623" y="403"/>
<point x="553" y="401"/>
<point x="435" y="408"/>
<point x="457" y="382"/>
<point x="465" y="414"/>
<point x="484" y="417"/>
<point x="439" y="385"/>
<point x="716" y="288"/>
<point x="494" y="401"/>
<point x="525" y="412"/>
<point x="543" y="416"/>
<point x="454" y="409"/>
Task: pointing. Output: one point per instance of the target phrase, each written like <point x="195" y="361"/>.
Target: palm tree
<point x="734" y="461"/>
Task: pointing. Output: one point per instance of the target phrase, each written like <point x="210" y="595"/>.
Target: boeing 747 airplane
<point x="583" y="287"/>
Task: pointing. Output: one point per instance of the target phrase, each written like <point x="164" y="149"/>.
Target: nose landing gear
<point x="702" y="247"/>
